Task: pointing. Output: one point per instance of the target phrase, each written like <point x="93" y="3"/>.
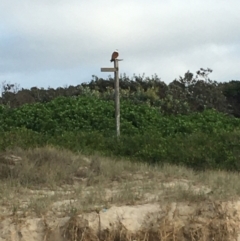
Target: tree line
<point x="188" y="93"/>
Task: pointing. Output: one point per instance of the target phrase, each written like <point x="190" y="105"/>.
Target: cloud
<point x="163" y="37"/>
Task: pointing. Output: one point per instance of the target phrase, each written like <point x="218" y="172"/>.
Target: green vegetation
<point x="191" y="121"/>
<point x="199" y="140"/>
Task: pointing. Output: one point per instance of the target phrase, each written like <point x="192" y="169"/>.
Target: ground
<point x="52" y="194"/>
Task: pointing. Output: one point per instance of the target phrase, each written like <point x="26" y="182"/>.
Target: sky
<point x="57" y="43"/>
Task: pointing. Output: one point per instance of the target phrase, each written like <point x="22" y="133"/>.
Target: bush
<point x="86" y="123"/>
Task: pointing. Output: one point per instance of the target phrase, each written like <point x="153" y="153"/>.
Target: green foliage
<point x="93" y="114"/>
<point x="198" y="150"/>
<point x="21" y="137"/>
<point x="199" y="140"/>
<point x="187" y="122"/>
<point x="232" y="92"/>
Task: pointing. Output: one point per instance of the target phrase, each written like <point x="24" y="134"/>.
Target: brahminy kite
<point x="114" y="55"/>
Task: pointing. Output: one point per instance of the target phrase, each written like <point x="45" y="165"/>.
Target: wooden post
<point x="117" y="98"/>
<point x="117" y="93"/>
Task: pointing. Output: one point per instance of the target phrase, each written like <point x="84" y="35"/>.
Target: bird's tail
<point x="111" y="60"/>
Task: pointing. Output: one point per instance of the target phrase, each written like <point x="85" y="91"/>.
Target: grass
<point x="51" y="183"/>
<point x="47" y="176"/>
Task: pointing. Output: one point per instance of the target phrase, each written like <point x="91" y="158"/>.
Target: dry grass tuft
<point x="210" y="222"/>
<point x="206" y="224"/>
<point x="77" y="229"/>
<point x="46" y="166"/>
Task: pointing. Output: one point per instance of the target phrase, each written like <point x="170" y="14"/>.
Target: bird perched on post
<point x="114" y="55"/>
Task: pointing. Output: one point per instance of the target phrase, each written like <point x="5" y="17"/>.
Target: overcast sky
<point x="64" y="42"/>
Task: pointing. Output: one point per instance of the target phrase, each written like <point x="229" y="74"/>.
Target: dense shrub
<point x="198" y="150"/>
<point x="187" y="122"/>
<point x="94" y="114"/>
<point x="199" y="140"/>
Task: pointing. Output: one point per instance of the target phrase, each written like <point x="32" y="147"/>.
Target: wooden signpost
<point x="117" y="97"/>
